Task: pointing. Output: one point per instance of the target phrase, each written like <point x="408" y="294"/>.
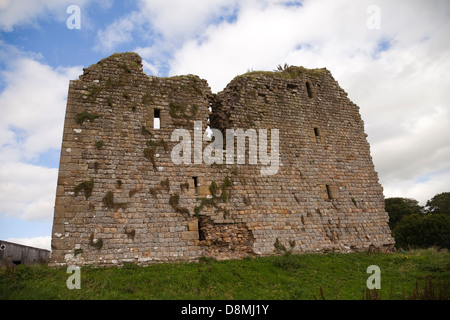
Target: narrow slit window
<point x="201" y="232"/>
<point x="195" y="184"/>
<point x="329" y="192"/>
<point x="309" y="89"/>
<point x="156" y="119"/>
<point x="317" y="135"/>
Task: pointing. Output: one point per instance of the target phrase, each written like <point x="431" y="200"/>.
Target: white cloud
<point x="398" y="74"/>
<point x="27" y="191"/>
<point x="32" y="105"/>
<point x="432" y="184"/>
<point x="163" y="26"/>
<point x="262" y="37"/>
<point x="318" y="34"/>
<point x="37" y="242"/>
<point x="118" y="33"/>
<point x="180" y="19"/>
<point x="25" y="12"/>
<point x="422" y="147"/>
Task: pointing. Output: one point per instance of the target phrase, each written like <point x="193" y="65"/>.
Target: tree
<point x="423" y="231"/>
<point x="440" y="203"/>
<point x="397" y="208"/>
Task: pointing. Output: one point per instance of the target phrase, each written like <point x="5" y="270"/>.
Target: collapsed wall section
<point x="121" y="198"/>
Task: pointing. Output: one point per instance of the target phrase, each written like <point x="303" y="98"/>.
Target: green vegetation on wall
<point x="214" y="200"/>
<point x="86" y="116"/>
<point x="85" y="186"/>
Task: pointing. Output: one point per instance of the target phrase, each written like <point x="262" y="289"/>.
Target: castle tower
<point x="136" y="184"/>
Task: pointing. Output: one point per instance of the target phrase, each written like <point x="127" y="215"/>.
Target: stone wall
<point x="121" y="198"/>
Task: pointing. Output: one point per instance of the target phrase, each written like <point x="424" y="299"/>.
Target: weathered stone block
<point x="189" y="235"/>
<point x="193" y="225"/>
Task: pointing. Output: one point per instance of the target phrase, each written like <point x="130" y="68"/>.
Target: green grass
<point x="338" y="276"/>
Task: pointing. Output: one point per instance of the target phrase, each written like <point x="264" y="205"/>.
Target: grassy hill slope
<point x="305" y="277"/>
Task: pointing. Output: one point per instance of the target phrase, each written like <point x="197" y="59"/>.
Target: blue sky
<point x="392" y="57"/>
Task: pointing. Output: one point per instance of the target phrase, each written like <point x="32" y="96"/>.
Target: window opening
<point x="195" y="184"/>
<point x="329" y="192"/>
<point x="309" y="89"/>
<point x="201" y="231"/>
<point x="156" y="119"/>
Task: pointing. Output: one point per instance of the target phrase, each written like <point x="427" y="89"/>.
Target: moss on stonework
<point x="213" y="201"/>
<point x="99" y="144"/>
<point x="85" y="186"/>
<point x="96" y="243"/>
<point x="184" y="186"/>
<point x="174" y="203"/>
<point x="131" y="233"/>
<point x="147" y="99"/>
<point x="150" y="152"/>
<point x="159" y="143"/>
<point x="177" y="110"/>
<point x="281" y="249"/>
<point x="145" y="131"/>
<point x="127" y="57"/>
<point x="108" y="200"/>
<point x="165" y="184"/>
<point x="173" y="200"/>
<point x="131" y="193"/>
<point x="86" y="116"/>
<point x="125" y="67"/>
<point x="154" y="191"/>
<point x="194" y="110"/>
<point x="93" y="90"/>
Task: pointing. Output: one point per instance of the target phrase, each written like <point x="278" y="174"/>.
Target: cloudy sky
<point x="392" y="57"/>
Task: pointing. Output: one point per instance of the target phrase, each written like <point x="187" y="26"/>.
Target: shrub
<point x="397" y="208"/>
<point x="423" y="231"/>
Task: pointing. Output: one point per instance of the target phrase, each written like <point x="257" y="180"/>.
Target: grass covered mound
<point x="416" y="274"/>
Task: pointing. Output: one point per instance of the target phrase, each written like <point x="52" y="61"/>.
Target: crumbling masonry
<point x="120" y="197"/>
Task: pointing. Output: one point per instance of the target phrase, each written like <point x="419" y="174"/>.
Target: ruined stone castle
<point x="121" y="197"/>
